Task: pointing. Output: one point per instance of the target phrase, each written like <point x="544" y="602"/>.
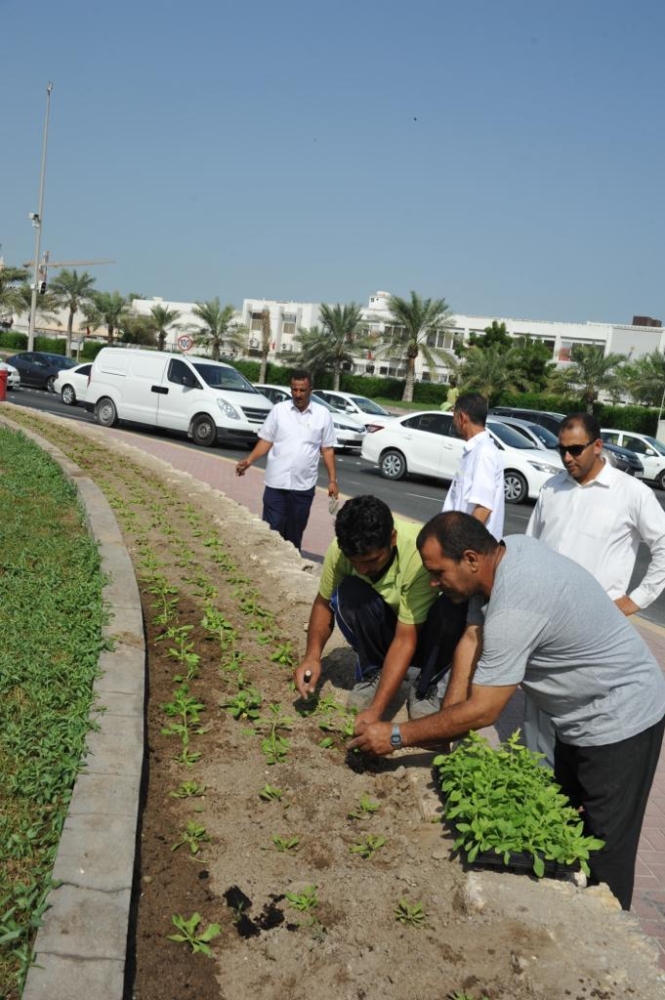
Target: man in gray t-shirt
<point x="544" y="622"/>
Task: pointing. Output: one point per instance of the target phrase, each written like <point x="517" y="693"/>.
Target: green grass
<point x="50" y="639"/>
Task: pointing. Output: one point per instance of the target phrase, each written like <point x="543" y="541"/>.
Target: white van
<point x="208" y="400"/>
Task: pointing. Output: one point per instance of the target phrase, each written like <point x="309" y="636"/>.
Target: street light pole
<point x="37" y="218"/>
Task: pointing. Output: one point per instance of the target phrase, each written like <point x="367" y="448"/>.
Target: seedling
<point x="215" y="622"/>
<point x="368" y="847"/>
<point x="305" y="900"/>
<point x="411" y="914"/>
<point x="188" y="789"/>
<point x="270" y="794"/>
<point x="462" y="995"/>
<point x="193" y="835"/>
<point x="245" y="705"/>
<point x="283" y="655"/>
<point x="285" y="844"/>
<point x="365" y="808"/>
<point x="275" y="747"/>
<point x="189" y="933"/>
<point x="327" y="743"/>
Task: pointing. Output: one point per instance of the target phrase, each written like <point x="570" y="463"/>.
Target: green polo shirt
<point x="405" y="586"/>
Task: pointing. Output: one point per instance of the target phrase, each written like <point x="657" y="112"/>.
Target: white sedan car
<point x="426" y="443"/>
<point x="72" y="384"/>
<point x="13" y="376"/>
<point x="348" y="431"/>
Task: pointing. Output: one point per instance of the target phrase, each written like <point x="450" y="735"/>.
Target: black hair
<point x="363" y="525"/>
<point x="474" y="406"/>
<point x="301" y="375"/>
<point x="587" y="421"/>
<point x="456" y="533"/>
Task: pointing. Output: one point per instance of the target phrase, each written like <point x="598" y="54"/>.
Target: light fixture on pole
<point x="37" y="218"/>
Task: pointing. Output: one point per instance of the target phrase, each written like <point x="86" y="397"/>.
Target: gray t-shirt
<point x="550" y="627"/>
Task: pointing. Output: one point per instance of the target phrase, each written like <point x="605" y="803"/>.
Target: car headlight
<point x="228" y="410"/>
<point x="544" y="467"/>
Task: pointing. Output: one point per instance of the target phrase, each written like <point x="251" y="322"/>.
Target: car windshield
<point x="224" y="378"/>
<point x="543" y="434"/>
<point x="61" y="360"/>
<point x="508" y="435"/>
<point x="656" y="445"/>
<point x="322" y="402"/>
<point x="369" y="406"/>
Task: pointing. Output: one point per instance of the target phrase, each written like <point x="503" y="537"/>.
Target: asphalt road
<point x="417" y="497"/>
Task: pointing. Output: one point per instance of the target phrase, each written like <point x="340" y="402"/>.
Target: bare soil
<point x="485" y="934"/>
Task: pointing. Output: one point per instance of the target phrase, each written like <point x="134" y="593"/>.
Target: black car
<point x="40" y="368"/>
<point x="624" y="459"/>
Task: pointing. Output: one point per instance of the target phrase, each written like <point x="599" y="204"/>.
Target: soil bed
<point x="490" y="935"/>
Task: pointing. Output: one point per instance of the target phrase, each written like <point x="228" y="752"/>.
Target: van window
<point x="181" y="374"/>
<point x="223" y="378"/>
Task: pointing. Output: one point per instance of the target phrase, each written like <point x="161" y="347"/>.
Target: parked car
<point x="13" y="377"/>
<point x="348" y="431"/>
<point x="371" y="414"/>
<point x="72" y="384"/>
<point x="207" y="400"/>
<point x="39" y="368"/>
<point x="650" y="452"/>
<point x="620" y="458"/>
<point x="546" y="418"/>
<point x="427" y="443"/>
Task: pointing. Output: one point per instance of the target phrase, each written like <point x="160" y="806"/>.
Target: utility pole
<point x="36" y="218"/>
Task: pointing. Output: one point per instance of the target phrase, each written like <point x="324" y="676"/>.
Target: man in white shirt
<point x="293" y="436"/>
<point x="596" y="516"/>
<point x="477" y="488"/>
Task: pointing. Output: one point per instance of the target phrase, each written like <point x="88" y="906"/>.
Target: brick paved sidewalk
<point x="219" y="472"/>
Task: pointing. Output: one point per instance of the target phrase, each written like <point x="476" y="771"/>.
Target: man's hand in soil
<point x="366" y="718"/>
<point x="373" y="737"/>
<point x="306" y="677"/>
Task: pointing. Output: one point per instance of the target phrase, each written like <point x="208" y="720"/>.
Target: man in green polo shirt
<point x="374" y="585"/>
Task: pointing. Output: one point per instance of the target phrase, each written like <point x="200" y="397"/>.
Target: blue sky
<point x="508" y="156"/>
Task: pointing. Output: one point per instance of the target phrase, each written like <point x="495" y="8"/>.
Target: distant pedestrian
<point x="477" y="488"/>
<point x="293" y="436"/>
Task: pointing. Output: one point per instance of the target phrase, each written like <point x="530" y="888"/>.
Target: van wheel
<point x="515" y="489"/>
<point x="106" y="413"/>
<point x="204" y="432"/>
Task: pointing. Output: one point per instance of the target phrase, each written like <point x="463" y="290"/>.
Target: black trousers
<point x="287" y="512"/>
<point x="612" y="784"/>
<point x="368" y="624"/>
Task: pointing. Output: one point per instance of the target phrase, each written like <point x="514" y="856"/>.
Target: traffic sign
<point x="185" y="343"/>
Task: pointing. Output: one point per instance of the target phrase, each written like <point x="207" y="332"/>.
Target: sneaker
<point x="430" y="702"/>
<point x="362" y="694"/>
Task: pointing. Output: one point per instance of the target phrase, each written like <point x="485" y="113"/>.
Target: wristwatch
<point x="395" y="737"/>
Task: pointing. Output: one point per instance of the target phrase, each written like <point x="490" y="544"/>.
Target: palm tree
<point x="265" y="343"/>
<point x="107" y="309"/>
<point x="489" y="372"/>
<point x="328" y="347"/>
<point x="644" y="378"/>
<point x="414" y="321"/>
<point x="162" y="317"/>
<point x="218" y="327"/>
<point x="15" y="292"/>
<point x="72" y="291"/>
<point x="591" y="371"/>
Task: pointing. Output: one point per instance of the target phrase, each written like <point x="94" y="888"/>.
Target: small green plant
<point x="412" y="914"/>
<point x="283" y="655"/>
<point x="275" y="748"/>
<point x="245" y="705"/>
<point x="189" y="934"/>
<point x="368" y="847"/>
<point x="364" y="808"/>
<point x="285" y="844"/>
<point x="304" y="901"/>
<point x="462" y="995"/>
<point x="327" y="743"/>
<point x="193" y="835"/>
<point x="188" y="789"/>
<point x="503" y="801"/>
<point x="269" y="793"/>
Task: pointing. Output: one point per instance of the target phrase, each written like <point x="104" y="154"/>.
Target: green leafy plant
<point x="283" y="655"/>
<point x="245" y="705"/>
<point x="188" y="789"/>
<point x="189" y="934"/>
<point x="193" y="835"/>
<point x="502" y="801"/>
<point x="284" y="844"/>
<point x="327" y="743"/>
<point x="364" y="808"/>
<point x="412" y="914"/>
<point x="368" y="847"/>
<point x="269" y="793"/>
<point x="304" y="901"/>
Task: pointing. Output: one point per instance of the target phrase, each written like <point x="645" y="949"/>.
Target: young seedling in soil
<point x="303" y="901"/>
<point x="215" y="623"/>
<point x="327" y="743"/>
<point x="283" y="655"/>
<point x="411" y="914"/>
<point x="285" y="844"/>
<point x="269" y="793"/>
<point x="274" y="746"/>
<point x="245" y="705"/>
<point x="368" y="847"/>
<point x="188" y="789"/>
<point x="194" y="835"/>
<point x="365" y="808"/>
<point x="189" y="933"/>
<point x="462" y="995"/>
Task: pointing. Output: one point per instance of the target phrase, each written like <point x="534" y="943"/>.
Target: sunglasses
<point x="574" y="450"/>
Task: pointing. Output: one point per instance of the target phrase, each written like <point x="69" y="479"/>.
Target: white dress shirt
<point x="297" y="439"/>
<point x="600" y="525"/>
<point x="479" y="482"/>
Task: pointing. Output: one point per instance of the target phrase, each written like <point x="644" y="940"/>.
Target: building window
<point x="288" y="328"/>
